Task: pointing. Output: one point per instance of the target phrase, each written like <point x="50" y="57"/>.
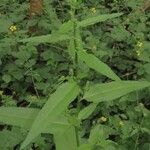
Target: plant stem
<point x="75" y="61"/>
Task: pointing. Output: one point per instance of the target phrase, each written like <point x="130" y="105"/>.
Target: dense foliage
<point x="74" y="74"/>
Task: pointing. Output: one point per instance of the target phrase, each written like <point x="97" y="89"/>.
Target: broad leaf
<point x="24" y="117"/>
<point x="94" y="63"/>
<point x="110" y="91"/>
<point x="87" y="111"/>
<point x="50" y="38"/>
<point x="96" y="19"/>
<point x="67" y="140"/>
<point x="55" y="105"/>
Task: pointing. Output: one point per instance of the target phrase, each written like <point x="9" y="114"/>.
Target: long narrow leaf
<point x="24" y="117"/>
<point x="87" y="111"/>
<point x="96" y="19"/>
<point x="113" y="90"/>
<point x="50" y="38"/>
<point x="55" y="105"/>
<point x="94" y="63"/>
<point x="67" y="140"/>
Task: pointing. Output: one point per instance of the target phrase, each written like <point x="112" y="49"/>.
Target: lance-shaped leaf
<point x="50" y="38"/>
<point x="55" y="105"/>
<point x="67" y="140"/>
<point x="87" y="111"/>
<point x="94" y="63"/>
<point x="113" y="90"/>
<point x="96" y="19"/>
<point x="24" y="117"/>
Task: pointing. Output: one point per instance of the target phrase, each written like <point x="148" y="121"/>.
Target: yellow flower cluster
<point x="138" y="52"/>
<point x="13" y="28"/>
<point x="33" y="98"/>
<point x="139" y="44"/>
<point x="103" y="119"/>
<point x="121" y="123"/>
<point x="93" y="10"/>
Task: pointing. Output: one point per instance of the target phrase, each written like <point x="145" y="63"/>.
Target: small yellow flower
<point x="121" y="123"/>
<point x="139" y="44"/>
<point x="1" y="93"/>
<point x="94" y="47"/>
<point x="93" y="10"/>
<point x="33" y="98"/>
<point x="103" y="119"/>
<point x="13" y="28"/>
<point x="138" y="52"/>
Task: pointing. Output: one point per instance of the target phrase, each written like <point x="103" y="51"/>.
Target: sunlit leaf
<point x="112" y="90"/>
<point x="94" y="63"/>
<point x="24" y="117"/>
<point x="87" y="111"/>
<point x="55" y="105"/>
<point x="96" y="19"/>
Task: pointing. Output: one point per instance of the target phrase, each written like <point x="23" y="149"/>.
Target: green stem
<point x="75" y="45"/>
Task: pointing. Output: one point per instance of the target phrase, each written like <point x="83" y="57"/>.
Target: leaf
<point x="6" y="78"/>
<point x="96" y="19"/>
<point x="67" y="140"/>
<point x="113" y="90"/>
<point x="55" y="105"/>
<point x="86" y="147"/>
<point x="99" y="133"/>
<point x="66" y="27"/>
<point x="94" y="63"/>
<point x="9" y="139"/>
<point x="87" y="111"/>
<point x="24" y="117"/>
<point x="50" y="38"/>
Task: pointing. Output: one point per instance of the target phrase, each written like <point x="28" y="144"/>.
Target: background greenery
<point x="30" y="72"/>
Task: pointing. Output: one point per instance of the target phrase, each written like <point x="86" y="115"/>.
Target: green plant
<point x="56" y="116"/>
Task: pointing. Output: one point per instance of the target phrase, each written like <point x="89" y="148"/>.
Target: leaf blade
<point x="87" y="111"/>
<point x="66" y="140"/>
<point x="24" y="117"/>
<point x="113" y="90"/>
<point x="94" y="63"/>
<point x="99" y="18"/>
<point x="55" y="105"/>
<point x="50" y="38"/>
